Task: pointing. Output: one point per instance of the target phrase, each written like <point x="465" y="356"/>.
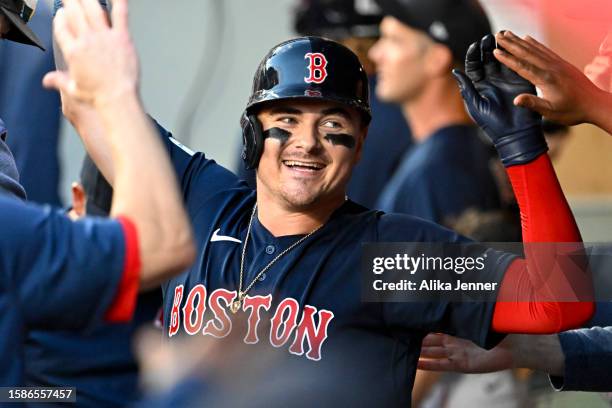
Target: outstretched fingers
<point x="468" y="90"/>
<point x="441" y="364"/>
<point x="61" y="30"/>
<point x="530" y="72"/>
<point x="541" y="47"/>
<point x="534" y="103"/>
<point x="120" y="16"/>
<point x="75" y="17"/>
<point x="95" y="14"/>
<point x="522" y="50"/>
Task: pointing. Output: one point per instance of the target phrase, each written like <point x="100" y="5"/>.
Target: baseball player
<point x="354" y="23"/>
<point x="288" y="253"/>
<point x="447" y="171"/>
<point x="43" y="253"/>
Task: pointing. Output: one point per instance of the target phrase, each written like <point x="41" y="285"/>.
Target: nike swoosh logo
<point x="216" y="237"/>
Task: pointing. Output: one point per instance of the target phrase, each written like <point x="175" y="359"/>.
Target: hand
<point x="568" y="97"/>
<point x="441" y="352"/>
<point x="599" y="71"/>
<point x="489" y="90"/>
<point x="102" y="61"/>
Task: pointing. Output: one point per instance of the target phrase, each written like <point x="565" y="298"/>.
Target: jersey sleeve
<point x="124" y="303"/>
<point x="588" y="356"/>
<point x="199" y="178"/>
<point x="468" y="320"/>
<point x="64" y="274"/>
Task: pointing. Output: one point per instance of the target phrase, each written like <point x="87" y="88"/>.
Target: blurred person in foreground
<point x="43" y="253"/>
<point x="99" y="362"/>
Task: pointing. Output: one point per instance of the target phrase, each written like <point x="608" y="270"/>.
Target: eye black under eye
<point x="341" y="139"/>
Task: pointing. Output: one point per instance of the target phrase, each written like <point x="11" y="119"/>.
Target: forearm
<point x="542" y="353"/>
<point x="145" y="193"/>
<point x="546" y="292"/>
<point x="91" y="131"/>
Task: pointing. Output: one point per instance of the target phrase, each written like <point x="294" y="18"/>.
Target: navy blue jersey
<point x="43" y="259"/>
<point x="31" y="112"/>
<point x="388" y="139"/>
<point x="99" y="361"/>
<point x="9" y="175"/>
<point x="308" y="304"/>
<point x="442" y="177"/>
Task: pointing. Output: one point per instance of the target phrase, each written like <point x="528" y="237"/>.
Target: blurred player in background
<point x="447" y="171"/>
<point x="43" y="253"/>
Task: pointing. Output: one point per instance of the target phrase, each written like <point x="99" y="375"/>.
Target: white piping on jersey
<point x="182" y="146"/>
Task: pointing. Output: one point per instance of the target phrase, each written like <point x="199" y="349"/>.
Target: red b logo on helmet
<point x="316" y="67"/>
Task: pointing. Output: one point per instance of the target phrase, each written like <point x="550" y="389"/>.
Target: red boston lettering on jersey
<point x="221" y="325"/>
<point x="255" y="303"/>
<point x="312" y="328"/>
<point x="314" y="336"/>
<point x="175" y="317"/>
<point x="317" y="64"/>
<point x="191" y="323"/>
<point x="285" y="326"/>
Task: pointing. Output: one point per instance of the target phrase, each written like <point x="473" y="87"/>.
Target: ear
<point x="438" y="61"/>
<point x="79" y="200"/>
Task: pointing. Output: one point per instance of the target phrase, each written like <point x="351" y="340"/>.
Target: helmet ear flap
<point x="252" y="140"/>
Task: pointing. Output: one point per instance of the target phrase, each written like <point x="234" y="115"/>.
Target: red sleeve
<point x="548" y="291"/>
<point x="124" y="303"/>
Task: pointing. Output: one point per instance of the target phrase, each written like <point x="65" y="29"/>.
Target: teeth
<point x="292" y="163"/>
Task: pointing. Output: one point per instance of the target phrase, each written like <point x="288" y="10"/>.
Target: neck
<point x="281" y="219"/>
<point x="439" y="105"/>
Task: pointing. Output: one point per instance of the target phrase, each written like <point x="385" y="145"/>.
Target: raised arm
<point x="568" y="96"/>
<point x="103" y="73"/>
<point x="535" y="292"/>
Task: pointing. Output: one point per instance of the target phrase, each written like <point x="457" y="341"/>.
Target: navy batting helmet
<point x="305" y="67"/>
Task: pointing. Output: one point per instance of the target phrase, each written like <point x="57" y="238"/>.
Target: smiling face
<point x="310" y="150"/>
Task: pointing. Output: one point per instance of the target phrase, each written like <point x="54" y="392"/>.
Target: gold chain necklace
<point x="237" y="304"/>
